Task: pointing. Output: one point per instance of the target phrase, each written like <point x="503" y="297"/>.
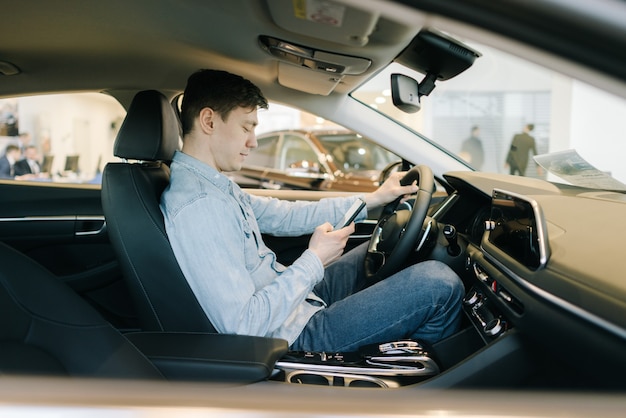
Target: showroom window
<point x="69" y="136"/>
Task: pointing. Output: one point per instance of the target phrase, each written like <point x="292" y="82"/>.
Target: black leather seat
<point x="47" y="329"/>
<point x="181" y="341"/>
<point x="130" y="199"/>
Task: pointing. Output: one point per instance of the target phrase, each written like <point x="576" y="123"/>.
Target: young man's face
<point x="234" y="138"/>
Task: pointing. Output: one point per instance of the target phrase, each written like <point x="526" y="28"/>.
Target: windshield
<point x="503" y="111"/>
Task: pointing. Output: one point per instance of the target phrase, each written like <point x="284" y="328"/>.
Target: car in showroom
<point x="97" y="318"/>
<point x="317" y="159"/>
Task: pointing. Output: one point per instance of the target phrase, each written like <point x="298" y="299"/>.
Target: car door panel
<point x="62" y="228"/>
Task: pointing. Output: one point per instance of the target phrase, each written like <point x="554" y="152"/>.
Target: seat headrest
<point x="150" y="131"/>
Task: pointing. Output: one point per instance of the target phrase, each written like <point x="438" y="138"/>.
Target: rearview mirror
<point x="405" y="93"/>
<point x="434" y="54"/>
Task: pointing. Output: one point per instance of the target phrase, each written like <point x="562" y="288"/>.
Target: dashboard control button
<point x="471" y="298"/>
<point x="493" y="327"/>
<point x="480" y="273"/>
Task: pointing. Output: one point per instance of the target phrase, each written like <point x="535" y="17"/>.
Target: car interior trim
<point x="61" y="218"/>
<point x="540" y="222"/>
<point x="86" y="225"/>
<point x="445" y="206"/>
<point x="561" y="303"/>
<point x="94" y="225"/>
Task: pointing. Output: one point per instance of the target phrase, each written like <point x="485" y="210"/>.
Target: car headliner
<point x="117" y="45"/>
<point x="122" y="47"/>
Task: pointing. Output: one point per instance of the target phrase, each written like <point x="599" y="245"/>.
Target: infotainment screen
<point x="517" y="228"/>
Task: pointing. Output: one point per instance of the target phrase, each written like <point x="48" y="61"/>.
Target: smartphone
<point x="351" y="214"/>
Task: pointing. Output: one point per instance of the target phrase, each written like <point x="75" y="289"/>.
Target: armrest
<point x="210" y="357"/>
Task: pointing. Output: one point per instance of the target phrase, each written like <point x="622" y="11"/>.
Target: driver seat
<point x="131" y="193"/>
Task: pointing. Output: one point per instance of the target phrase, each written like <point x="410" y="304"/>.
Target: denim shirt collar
<point x="218" y="179"/>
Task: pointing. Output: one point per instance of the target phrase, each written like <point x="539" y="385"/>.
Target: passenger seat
<point x="47" y="329"/>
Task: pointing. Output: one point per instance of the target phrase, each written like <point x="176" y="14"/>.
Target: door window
<point x="63" y="138"/>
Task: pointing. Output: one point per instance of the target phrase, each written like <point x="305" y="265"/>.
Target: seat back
<point x="131" y="193"/>
<point x="47" y="329"/>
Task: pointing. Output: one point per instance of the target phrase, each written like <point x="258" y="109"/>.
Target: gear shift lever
<point x="449" y="232"/>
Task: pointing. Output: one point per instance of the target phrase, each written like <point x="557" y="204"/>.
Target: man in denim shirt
<point x="318" y="303"/>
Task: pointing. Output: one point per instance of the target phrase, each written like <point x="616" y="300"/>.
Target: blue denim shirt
<point x="215" y="231"/>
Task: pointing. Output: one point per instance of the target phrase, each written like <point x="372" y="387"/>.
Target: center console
<point x="386" y="365"/>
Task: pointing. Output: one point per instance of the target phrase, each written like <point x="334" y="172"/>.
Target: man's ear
<point x="206" y="120"/>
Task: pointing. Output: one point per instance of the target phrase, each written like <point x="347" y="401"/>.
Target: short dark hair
<point x="530" y="126"/>
<point x="11" y="147"/>
<point x="220" y="91"/>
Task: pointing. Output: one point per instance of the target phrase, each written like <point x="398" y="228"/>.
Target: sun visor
<point x="323" y="19"/>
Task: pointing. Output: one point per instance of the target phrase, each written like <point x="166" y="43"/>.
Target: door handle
<point x="89" y="225"/>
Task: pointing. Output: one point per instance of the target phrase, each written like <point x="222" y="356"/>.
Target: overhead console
<point x="323" y="61"/>
<point x="324" y="70"/>
<point x="319" y="20"/>
<point x="321" y="43"/>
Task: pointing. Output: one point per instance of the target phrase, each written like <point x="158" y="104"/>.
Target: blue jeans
<point x="422" y="302"/>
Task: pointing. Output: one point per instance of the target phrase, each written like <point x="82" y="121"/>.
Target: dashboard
<point x="517" y="227"/>
<point x="537" y="261"/>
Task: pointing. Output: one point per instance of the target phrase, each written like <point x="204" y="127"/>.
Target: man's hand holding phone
<point x="328" y="242"/>
<point x="351" y="214"/>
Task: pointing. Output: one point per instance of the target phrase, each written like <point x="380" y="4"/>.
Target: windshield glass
<point x="504" y="110"/>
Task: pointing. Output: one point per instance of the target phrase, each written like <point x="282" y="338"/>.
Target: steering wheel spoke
<point x="428" y="227"/>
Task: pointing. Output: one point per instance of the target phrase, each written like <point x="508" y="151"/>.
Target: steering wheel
<point x="398" y="231"/>
<point x="389" y="168"/>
